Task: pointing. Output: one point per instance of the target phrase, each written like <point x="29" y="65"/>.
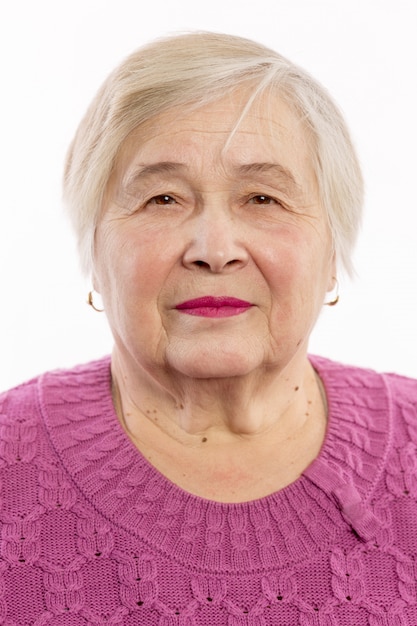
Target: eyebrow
<point x="266" y="168"/>
<point x="170" y="167"/>
<point x="163" y="167"/>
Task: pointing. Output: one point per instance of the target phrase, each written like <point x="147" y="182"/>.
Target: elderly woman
<point x="211" y="472"/>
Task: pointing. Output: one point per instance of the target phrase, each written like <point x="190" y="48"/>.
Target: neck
<point x="224" y="410"/>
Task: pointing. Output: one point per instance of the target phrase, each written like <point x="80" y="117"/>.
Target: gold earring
<point x="91" y="302"/>
<point x="336" y="298"/>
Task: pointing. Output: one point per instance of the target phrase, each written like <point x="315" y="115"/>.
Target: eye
<point x="162" y="200"/>
<point x="262" y="199"/>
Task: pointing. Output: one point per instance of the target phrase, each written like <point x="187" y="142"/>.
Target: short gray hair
<point x="192" y="70"/>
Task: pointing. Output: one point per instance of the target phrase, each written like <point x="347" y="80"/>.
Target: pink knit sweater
<point x="91" y="534"/>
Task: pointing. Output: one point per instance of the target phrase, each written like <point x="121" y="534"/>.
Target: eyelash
<point x="165" y="199"/>
<point x="269" y="199"/>
<point x="155" y="199"/>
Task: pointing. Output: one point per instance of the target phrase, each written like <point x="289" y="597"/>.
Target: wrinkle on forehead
<point x="255" y="142"/>
<point x="267" y="114"/>
<point x="144" y="172"/>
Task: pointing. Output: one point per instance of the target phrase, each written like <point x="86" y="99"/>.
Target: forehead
<point x="226" y="131"/>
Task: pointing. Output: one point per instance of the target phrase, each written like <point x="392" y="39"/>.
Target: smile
<point x="210" y="306"/>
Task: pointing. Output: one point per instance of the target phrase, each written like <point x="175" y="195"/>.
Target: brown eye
<point x="261" y="199"/>
<point x="163" y="199"/>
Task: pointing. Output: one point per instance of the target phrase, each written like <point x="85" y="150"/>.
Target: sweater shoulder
<point x="401" y="387"/>
<point x="20" y="401"/>
<point x="388" y="399"/>
<point x="25" y="400"/>
<point x="402" y="395"/>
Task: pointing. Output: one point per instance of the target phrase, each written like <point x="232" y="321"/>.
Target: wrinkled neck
<point x="250" y="406"/>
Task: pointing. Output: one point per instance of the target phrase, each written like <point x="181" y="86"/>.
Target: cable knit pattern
<point x="92" y="534"/>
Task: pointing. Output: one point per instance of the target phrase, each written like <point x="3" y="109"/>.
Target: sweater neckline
<point x="127" y="491"/>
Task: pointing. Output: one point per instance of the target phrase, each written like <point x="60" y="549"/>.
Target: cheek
<point x="296" y="267"/>
<point x="132" y="267"/>
<point x="284" y="255"/>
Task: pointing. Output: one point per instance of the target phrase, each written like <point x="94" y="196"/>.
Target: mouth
<point x="211" y="306"/>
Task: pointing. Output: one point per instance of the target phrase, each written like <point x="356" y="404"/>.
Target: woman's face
<point x="213" y="252"/>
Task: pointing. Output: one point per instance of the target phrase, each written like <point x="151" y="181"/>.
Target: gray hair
<point x="192" y="70"/>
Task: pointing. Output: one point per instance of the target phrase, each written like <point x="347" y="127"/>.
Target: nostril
<point x="216" y="266"/>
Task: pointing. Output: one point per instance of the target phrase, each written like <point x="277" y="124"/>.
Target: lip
<point x="214" y="306"/>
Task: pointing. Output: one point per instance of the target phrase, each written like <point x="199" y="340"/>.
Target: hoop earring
<point x="90" y="302"/>
<point x="336" y="298"/>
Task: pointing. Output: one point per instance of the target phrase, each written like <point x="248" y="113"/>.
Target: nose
<point x="216" y="243"/>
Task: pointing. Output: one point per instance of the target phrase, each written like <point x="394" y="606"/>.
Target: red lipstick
<point x="212" y="306"/>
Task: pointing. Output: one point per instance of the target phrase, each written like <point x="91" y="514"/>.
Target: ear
<point x="332" y="278"/>
<point x="95" y="281"/>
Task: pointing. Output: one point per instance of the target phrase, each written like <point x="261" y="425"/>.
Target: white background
<point x="55" y="54"/>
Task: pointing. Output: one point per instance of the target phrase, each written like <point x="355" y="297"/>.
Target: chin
<point x="212" y="364"/>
